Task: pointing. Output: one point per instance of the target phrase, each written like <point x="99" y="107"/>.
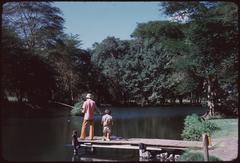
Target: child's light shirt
<point x="107" y="120"/>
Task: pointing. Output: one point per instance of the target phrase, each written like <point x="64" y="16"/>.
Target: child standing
<point x="107" y="123"/>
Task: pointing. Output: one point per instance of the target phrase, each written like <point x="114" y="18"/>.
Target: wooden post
<point x="92" y="149"/>
<point x="75" y="142"/>
<point x="209" y="140"/>
<point x="205" y="147"/>
<point x="144" y="155"/>
<point x="142" y="149"/>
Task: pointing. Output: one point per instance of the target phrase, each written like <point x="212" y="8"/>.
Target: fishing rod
<point x="63" y="104"/>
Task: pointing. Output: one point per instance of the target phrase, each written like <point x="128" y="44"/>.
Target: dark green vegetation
<point x="77" y="108"/>
<point x="225" y="139"/>
<point x="193" y="60"/>
<point x="195" y="126"/>
<point x="194" y="156"/>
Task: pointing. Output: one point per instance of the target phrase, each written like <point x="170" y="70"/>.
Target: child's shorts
<point x="107" y="130"/>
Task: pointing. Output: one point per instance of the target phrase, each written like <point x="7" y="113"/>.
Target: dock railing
<point x="143" y="144"/>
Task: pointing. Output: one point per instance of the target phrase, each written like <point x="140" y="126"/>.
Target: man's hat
<point x="107" y="111"/>
<point x="89" y="95"/>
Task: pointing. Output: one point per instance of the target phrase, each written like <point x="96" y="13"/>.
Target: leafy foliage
<point x="194" y="127"/>
<point x="194" y="58"/>
<point x="37" y="23"/>
<point x="195" y="156"/>
<point x="22" y="72"/>
<point x="77" y="108"/>
<point x="212" y="38"/>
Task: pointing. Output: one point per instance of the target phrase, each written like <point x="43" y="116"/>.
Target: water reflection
<point x="45" y="138"/>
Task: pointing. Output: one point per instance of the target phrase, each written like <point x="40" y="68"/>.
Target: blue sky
<point x="94" y="21"/>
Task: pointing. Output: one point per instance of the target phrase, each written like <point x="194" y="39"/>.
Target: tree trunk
<point x="180" y="98"/>
<point x="162" y="100"/>
<point x="199" y="100"/>
<point x="142" y="102"/>
<point x="52" y="95"/>
<point x="191" y="98"/>
<point x="173" y="100"/>
<point x="71" y="86"/>
<point x="19" y="96"/>
<point x="210" y="97"/>
<point x="71" y="95"/>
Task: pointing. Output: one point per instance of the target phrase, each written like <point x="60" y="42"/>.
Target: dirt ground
<point x="225" y="149"/>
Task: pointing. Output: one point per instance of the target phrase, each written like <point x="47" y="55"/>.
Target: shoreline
<point x="225" y="140"/>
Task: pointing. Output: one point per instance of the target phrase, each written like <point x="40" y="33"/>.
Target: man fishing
<point x="88" y="109"/>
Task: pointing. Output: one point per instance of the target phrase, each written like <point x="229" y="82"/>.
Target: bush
<point x="195" y="126"/>
<point x="190" y="156"/>
<point x="77" y="108"/>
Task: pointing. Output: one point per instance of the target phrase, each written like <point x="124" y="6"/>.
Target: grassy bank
<point x="228" y="128"/>
<point x="225" y="137"/>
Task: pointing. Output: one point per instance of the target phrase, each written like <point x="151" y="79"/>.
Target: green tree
<point x="162" y="45"/>
<point x="22" y="71"/>
<point x="213" y="36"/>
<point x="27" y="29"/>
<point x="37" y="23"/>
<point x="65" y="57"/>
<point x="107" y="56"/>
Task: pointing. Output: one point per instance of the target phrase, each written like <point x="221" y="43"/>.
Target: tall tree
<point x="213" y="31"/>
<point x="22" y="71"/>
<point x="64" y="57"/>
<point x="27" y="29"/>
<point x="107" y="56"/>
<point x="162" y="44"/>
<point x="37" y="23"/>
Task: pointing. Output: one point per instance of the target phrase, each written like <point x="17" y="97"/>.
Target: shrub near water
<point x="195" y="156"/>
<point x="194" y="127"/>
<point x="77" y="108"/>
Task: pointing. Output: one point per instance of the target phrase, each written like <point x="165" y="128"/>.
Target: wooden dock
<point x="133" y="143"/>
<point x="144" y="145"/>
<point x="124" y="146"/>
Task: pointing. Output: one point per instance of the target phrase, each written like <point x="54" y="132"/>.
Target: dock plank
<point x="166" y="143"/>
<point x="124" y="146"/>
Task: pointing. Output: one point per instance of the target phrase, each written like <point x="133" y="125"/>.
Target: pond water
<point x="48" y="138"/>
